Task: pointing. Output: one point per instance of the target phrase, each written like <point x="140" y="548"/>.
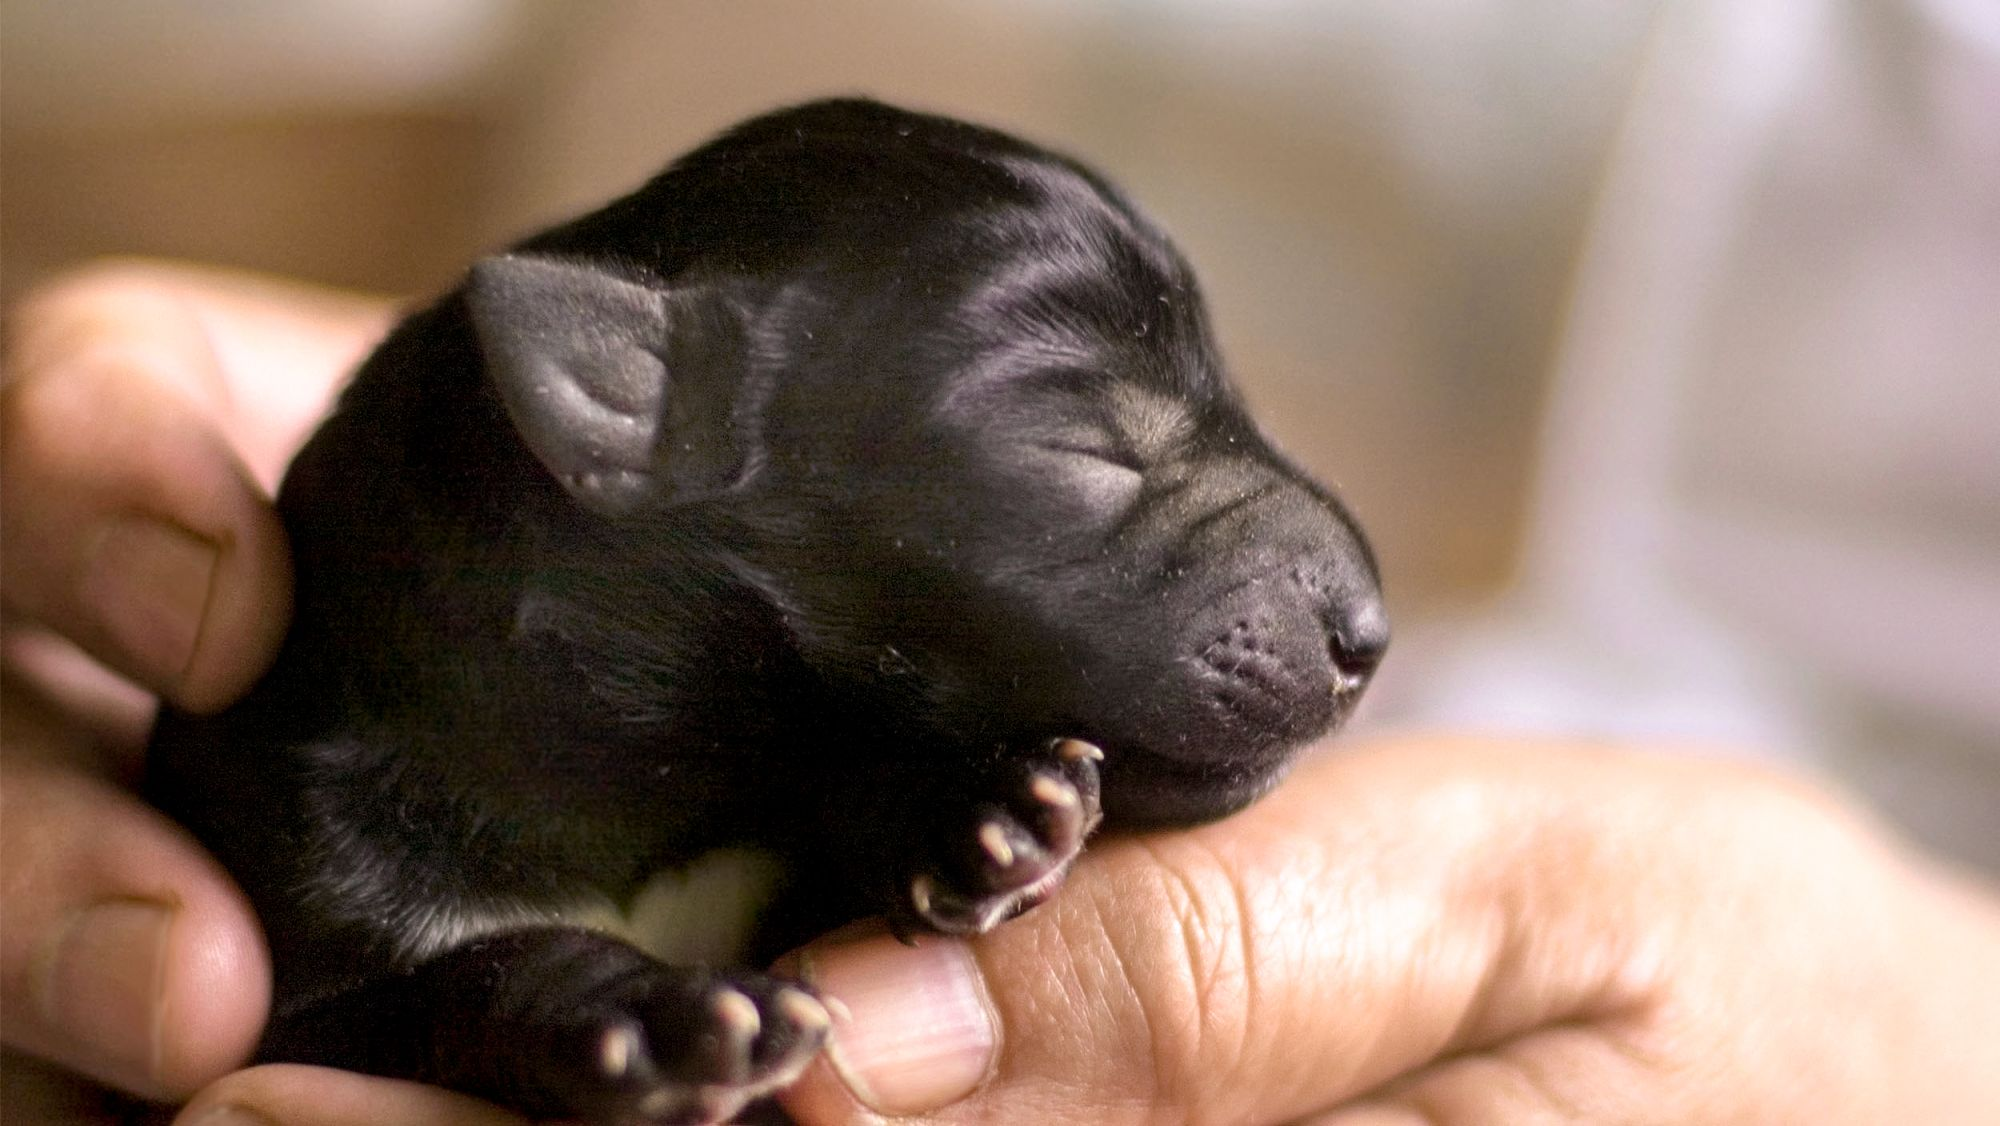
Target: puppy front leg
<point x="962" y="843"/>
<point x="567" y="1023"/>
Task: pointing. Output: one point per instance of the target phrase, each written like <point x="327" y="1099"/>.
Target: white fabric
<point x="1769" y="503"/>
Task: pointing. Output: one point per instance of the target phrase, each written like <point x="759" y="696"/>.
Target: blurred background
<point x="1657" y="343"/>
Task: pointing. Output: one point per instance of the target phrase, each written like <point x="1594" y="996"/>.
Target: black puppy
<point x="831" y="524"/>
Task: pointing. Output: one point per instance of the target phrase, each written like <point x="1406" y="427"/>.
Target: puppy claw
<point x="1076" y="750"/>
<point x="738" y="1015"/>
<point x="838" y="1009"/>
<point x="656" y="1045"/>
<point x="804" y="1010"/>
<point x="618" y="1048"/>
<point x="993" y="838"/>
<point x="1052" y="791"/>
<point x="660" y="1103"/>
<point x="920" y="894"/>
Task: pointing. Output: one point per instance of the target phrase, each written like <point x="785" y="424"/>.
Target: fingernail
<point x="103" y="980"/>
<point x="148" y="583"/>
<point x="913" y="1030"/>
<point x="229" y="1114"/>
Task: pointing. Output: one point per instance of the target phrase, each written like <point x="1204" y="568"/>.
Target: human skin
<point x="1423" y="929"/>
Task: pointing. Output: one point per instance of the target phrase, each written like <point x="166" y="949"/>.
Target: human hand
<point x="147" y="413"/>
<point x="1451" y="931"/>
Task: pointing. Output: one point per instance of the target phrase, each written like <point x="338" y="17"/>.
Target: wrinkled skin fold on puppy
<point x="862" y="503"/>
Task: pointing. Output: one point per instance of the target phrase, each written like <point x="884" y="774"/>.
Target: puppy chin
<point x="1147" y="791"/>
<point x="1209" y="756"/>
<point x="1214" y="721"/>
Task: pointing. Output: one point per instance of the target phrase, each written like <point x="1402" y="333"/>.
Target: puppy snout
<point x="1313" y="608"/>
<point x="1275" y="609"/>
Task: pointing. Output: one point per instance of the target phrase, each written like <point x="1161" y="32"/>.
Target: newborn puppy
<point x="830" y="528"/>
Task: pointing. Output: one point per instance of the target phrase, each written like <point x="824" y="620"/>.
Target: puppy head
<point x="959" y="404"/>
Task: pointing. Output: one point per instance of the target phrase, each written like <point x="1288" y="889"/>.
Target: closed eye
<point x="1106" y="481"/>
<point x="1109" y="455"/>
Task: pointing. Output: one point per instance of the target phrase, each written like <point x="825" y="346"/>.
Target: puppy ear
<point x="577" y="356"/>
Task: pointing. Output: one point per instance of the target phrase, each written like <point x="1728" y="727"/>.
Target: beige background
<point x="1382" y="206"/>
<point x="1653" y="341"/>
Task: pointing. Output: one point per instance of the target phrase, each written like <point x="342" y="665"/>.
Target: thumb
<point x="1350" y="928"/>
<point x="128" y="955"/>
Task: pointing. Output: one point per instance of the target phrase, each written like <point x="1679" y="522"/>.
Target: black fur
<point x="888" y="452"/>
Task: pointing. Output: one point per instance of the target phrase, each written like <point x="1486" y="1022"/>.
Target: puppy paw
<point x="679" y="1051"/>
<point x="1013" y="851"/>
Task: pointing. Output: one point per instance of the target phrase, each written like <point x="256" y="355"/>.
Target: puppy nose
<point x="1357" y="637"/>
<point x="1346" y="596"/>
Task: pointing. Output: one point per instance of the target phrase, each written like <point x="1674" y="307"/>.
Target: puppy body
<point x="813" y="515"/>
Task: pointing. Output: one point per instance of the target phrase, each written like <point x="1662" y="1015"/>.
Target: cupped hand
<point x="1437" y="931"/>
<point x="146" y="413"/>
<point x="1419" y="931"/>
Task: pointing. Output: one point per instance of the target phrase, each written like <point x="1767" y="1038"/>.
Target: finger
<point x="1559" y="1075"/>
<point x="281" y="348"/>
<point x="131" y="527"/>
<point x="1352" y="927"/>
<point x="295" y="1095"/>
<point x="128" y="955"/>
<point x="130" y="523"/>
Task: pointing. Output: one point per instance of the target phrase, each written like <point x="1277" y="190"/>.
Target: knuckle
<point x="99" y="326"/>
<point x="1778" y="808"/>
<point x="257" y="1087"/>
<point x="39" y="448"/>
<point x="51" y="447"/>
<point x="35" y="414"/>
<point x="80" y="290"/>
